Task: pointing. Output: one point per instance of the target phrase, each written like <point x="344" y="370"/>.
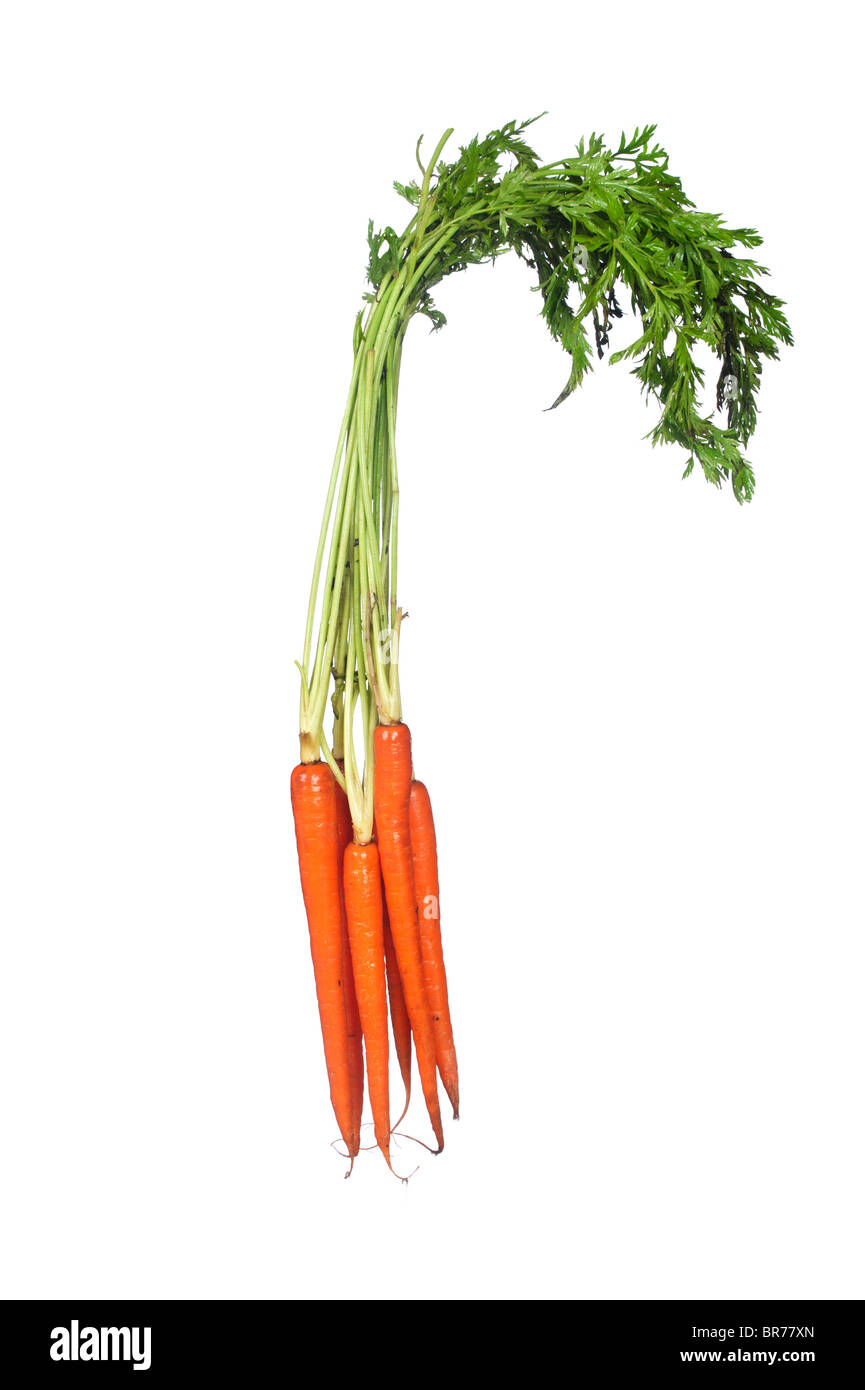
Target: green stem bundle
<point x="593" y="226"/>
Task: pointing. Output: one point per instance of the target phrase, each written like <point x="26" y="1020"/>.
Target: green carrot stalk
<point x="601" y="227"/>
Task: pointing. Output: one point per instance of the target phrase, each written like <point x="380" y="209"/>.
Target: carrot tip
<point x="395" y="1126"/>
<point x="403" y="1180"/>
<point x="429" y="1149"/>
<point x="395" y="1173"/>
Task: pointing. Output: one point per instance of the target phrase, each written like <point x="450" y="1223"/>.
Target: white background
<point x="638" y="706"/>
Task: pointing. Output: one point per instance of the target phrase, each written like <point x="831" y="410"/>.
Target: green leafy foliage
<point x="384" y="253"/>
<point x="598" y="227"/>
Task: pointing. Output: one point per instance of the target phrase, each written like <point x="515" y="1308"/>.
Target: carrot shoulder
<point x="316" y="821"/>
<point x="392" y="785"/>
<point x="426" y="883"/>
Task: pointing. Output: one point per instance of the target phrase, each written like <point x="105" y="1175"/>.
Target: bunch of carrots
<point x="593" y="226"/>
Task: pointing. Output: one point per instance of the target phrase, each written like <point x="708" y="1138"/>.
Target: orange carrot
<point x="363" y="903"/>
<point x="398" y="1013"/>
<point x="426" y="887"/>
<point x="316" y="822"/>
<point x="352" y="1016"/>
<point x="391" y="799"/>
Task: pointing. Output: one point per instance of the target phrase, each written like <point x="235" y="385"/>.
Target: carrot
<point x="391" y="794"/>
<point x="398" y="1013"/>
<point x="352" y="1016"/>
<point x="363" y="903"/>
<point x="426" y="887"/>
<point x="316" y="822"/>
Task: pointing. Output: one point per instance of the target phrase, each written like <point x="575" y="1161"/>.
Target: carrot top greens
<point x="601" y="227"/>
<point x="600" y="221"/>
